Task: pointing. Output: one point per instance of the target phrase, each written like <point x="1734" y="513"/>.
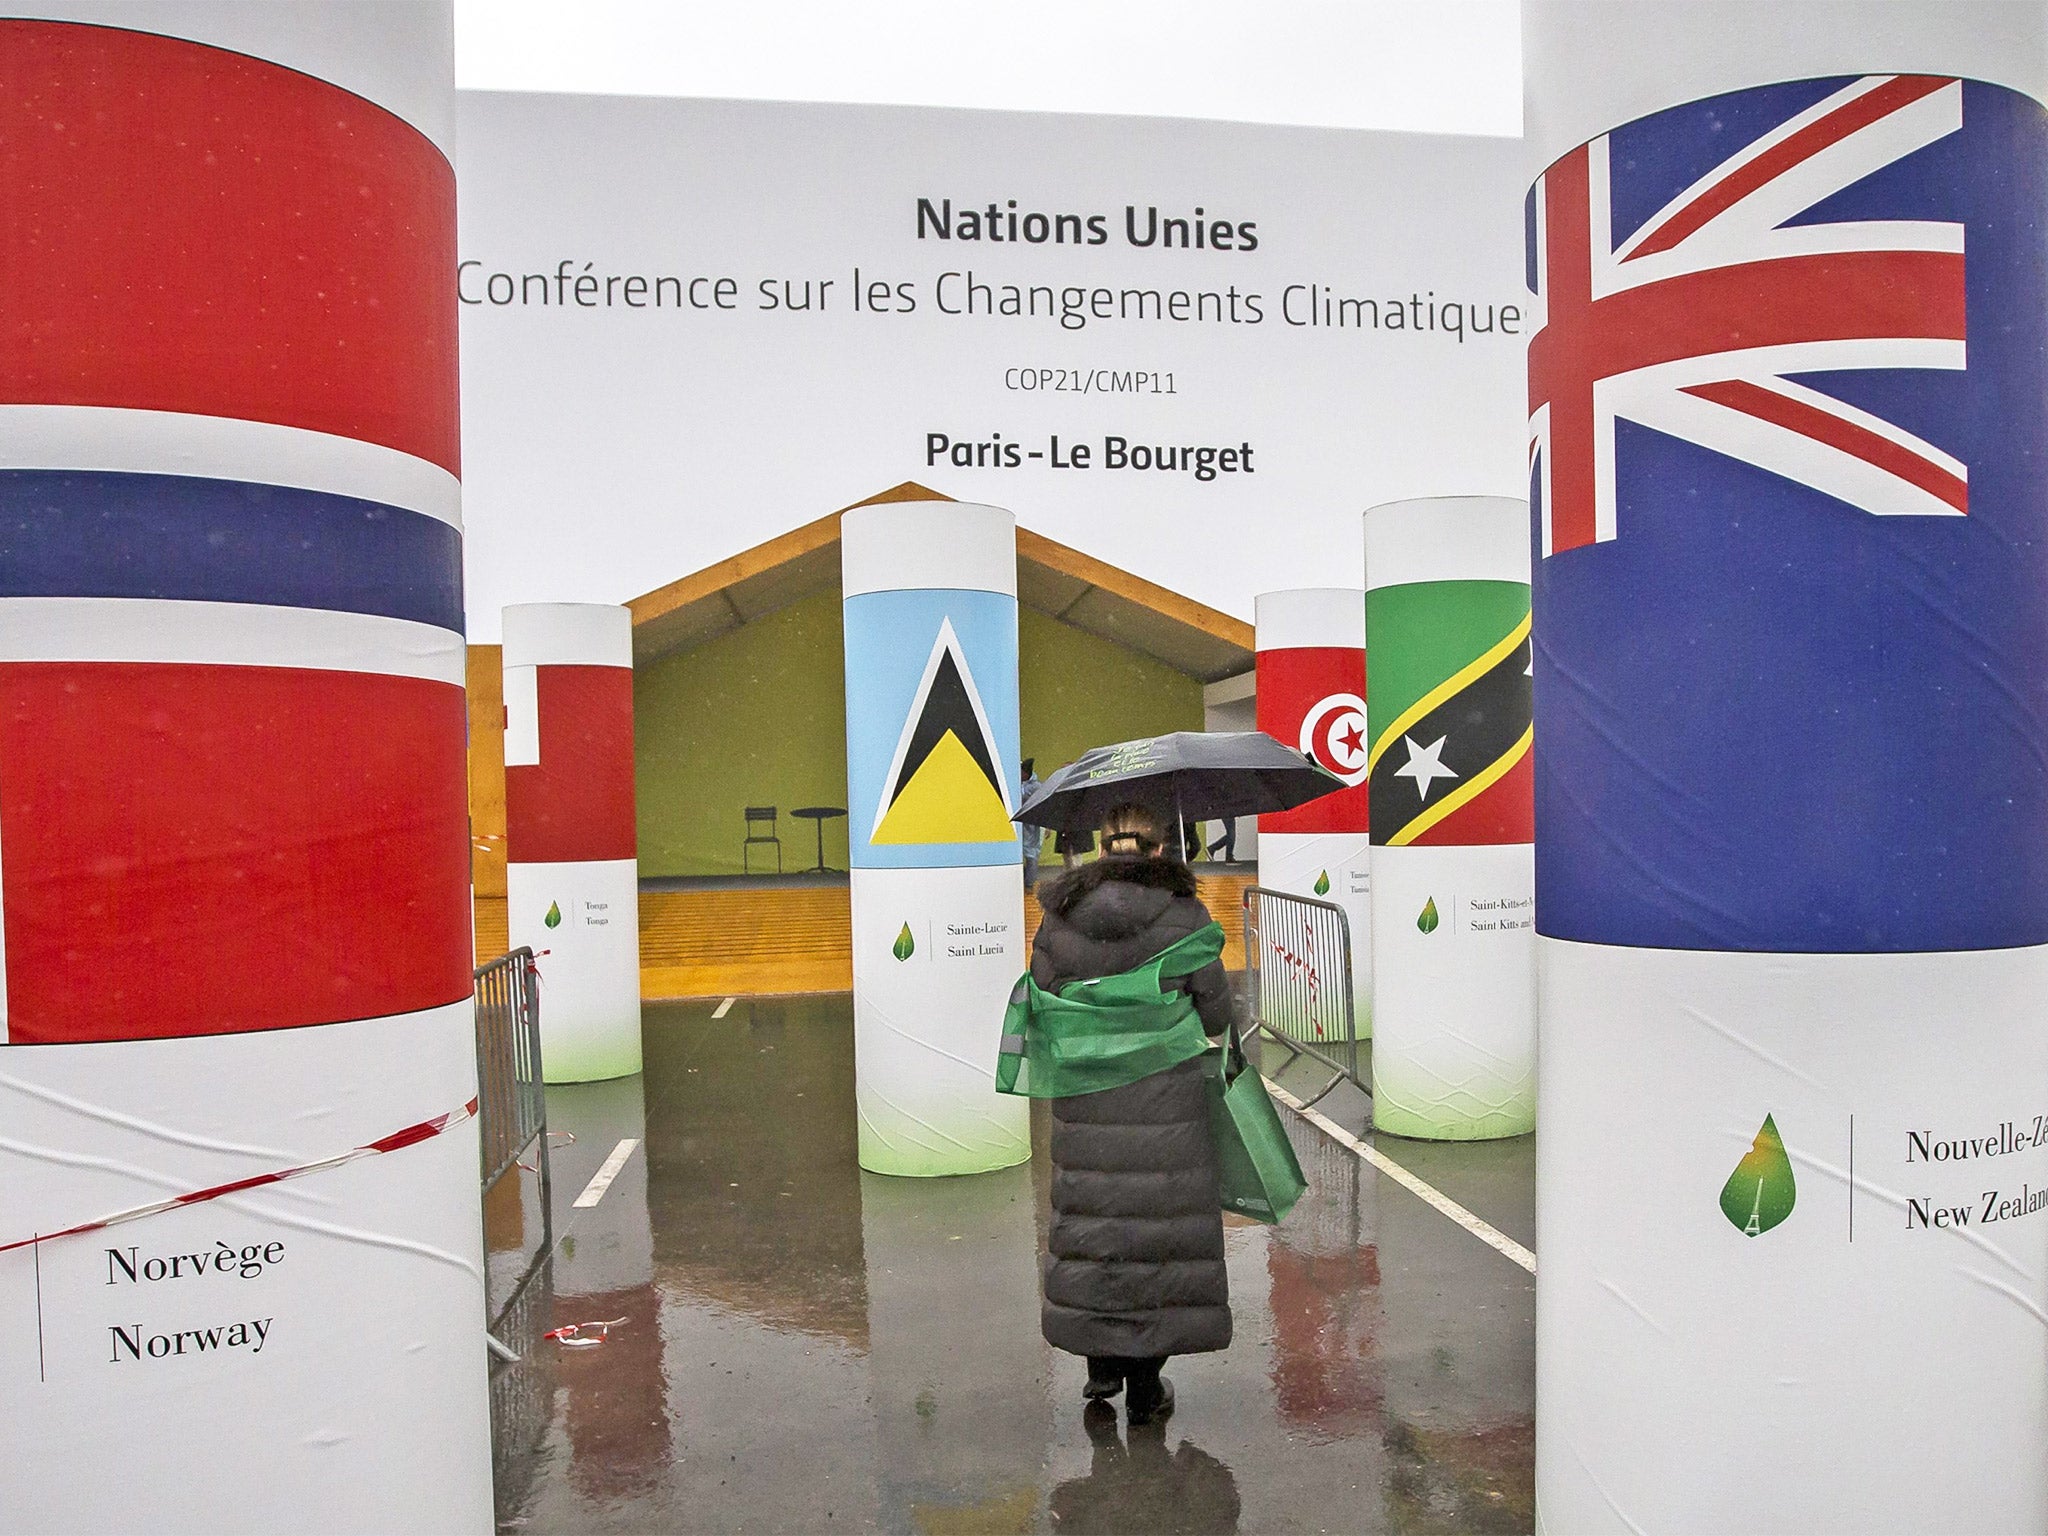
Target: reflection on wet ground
<point x="800" y="1346"/>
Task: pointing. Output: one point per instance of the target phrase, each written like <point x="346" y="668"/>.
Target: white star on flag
<point x="1425" y="765"/>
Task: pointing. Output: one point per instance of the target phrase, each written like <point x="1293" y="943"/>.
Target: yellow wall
<point x="1077" y="691"/>
<point x="755" y="717"/>
<point x="486" y="690"/>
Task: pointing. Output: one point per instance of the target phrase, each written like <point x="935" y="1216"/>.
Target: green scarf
<point x="1106" y="1032"/>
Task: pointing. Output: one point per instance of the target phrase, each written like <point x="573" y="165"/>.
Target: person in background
<point x="1032" y="838"/>
<point x="1071" y="845"/>
<point x="1228" y="841"/>
<point x="1134" y="1266"/>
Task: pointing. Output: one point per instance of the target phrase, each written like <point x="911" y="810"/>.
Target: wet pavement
<point x="804" y="1347"/>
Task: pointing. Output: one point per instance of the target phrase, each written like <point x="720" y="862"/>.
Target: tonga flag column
<point x="1447" y="625"/>
<point x="1311" y="696"/>
<point x="1790" y="426"/>
<point x="241" y="1282"/>
<point x="572" y="874"/>
<point x="937" y="867"/>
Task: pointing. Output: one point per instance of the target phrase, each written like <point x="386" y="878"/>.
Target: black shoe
<point x="1150" y="1407"/>
<point x="1100" y="1387"/>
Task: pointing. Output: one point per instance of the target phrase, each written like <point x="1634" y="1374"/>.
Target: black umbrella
<point x="1189" y="775"/>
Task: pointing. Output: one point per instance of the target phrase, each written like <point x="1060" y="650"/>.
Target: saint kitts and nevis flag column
<point x="572" y="874"/>
<point x="1311" y="696"/>
<point x="241" y="1279"/>
<point x="1447" y="626"/>
<point x="937" y="879"/>
<point x="1789" y="415"/>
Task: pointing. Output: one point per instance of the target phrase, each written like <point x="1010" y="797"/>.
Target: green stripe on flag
<point x="1421" y="633"/>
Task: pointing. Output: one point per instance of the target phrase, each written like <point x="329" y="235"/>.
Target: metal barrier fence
<point x="1298" y="980"/>
<point x="512" y="1106"/>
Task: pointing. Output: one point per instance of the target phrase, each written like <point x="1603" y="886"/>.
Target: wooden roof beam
<point x="1134" y="589"/>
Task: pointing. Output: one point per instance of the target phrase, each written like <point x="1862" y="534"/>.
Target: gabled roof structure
<point x="1077" y="589"/>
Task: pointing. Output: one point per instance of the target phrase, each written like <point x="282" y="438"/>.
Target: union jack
<point x="1691" y="323"/>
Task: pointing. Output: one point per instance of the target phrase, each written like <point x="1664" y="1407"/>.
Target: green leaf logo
<point x="1428" y="920"/>
<point x="905" y="946"/>
<point x="1760" y="1192"/>
<point x="1322" y="886"/>
<point x="554" y="917"/>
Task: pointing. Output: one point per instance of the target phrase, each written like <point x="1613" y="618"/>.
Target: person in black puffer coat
<point x="1134" y="1270"/>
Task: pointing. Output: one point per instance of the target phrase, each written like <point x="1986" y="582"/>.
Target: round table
<point x="820" y="814"/>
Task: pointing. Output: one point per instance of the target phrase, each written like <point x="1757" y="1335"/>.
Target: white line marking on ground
<point x="724" y="1008"/>
<point x="601" y="1180"/>
<point x="1487" y="1233"/>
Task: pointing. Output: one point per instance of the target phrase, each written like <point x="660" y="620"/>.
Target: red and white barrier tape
<point x="425" y="1130"/>
<point x="567" y="1137"/>
<point x="567" y="1334"/>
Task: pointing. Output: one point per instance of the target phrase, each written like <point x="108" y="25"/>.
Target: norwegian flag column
<point x="937" y="880"/>
<point x="572" y="874"/>
<point x="1789" y="424"/>
<point x="1447" y="626"/>
<point x="241" y="1278"/>
<point x="1311" y="696"/>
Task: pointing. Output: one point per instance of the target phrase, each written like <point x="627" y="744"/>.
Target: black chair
<point x="758" y="815"/>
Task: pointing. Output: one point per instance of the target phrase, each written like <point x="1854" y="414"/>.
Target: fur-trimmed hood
<point x="1064" y="892"/>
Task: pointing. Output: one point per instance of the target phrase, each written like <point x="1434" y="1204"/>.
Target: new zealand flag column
<point x="1789" y="484"/>
<point x="937" y="880"/>
<point x="240" y="1242"/>
<point x="1311" y="696"/>
<point x="571" y="849"/>
<point x="1447" y="628"/>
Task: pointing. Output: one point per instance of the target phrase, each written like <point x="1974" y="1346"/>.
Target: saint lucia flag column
<point x="1447" y="626"/>
<point x="240" y="1251"/>
<point x="1790" y="419"/>
<point x="572" y="875"/>
<point x="1311" y="696"/>
<point x="931" y="779"/>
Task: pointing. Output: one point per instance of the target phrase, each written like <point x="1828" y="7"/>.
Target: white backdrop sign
<point x="1195" y="350"/>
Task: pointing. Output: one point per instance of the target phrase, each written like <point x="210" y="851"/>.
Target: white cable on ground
<point x="1487" y="1233"/>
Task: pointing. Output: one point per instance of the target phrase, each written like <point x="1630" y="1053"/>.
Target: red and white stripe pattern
<point x="568" y="733"/>
<point x="1691" y="325"/>
<point x="424" y="1130"/>
<point x="234" y="874"/>
<point x="235" y="801"/>
<point x="304" y="282"/>
<point x="571" y="871"/>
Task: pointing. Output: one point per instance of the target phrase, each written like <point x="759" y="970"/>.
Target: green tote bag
<point x="1258" y="1173"/>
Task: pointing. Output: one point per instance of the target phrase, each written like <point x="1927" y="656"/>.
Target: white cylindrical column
<point x="1447" y="626"/>
<point x="1311" y="696"/>
<point x="932" y="779"/>
<point x="1790" y="414"/>
<point x="572" y="888"/>
<point x="241" y="1260"/>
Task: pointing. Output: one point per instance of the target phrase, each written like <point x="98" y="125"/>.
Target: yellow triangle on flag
<point x="948" y="800"/>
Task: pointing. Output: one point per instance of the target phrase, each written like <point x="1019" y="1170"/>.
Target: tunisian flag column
<point x="1790" y="412"/>
<point x="240" y="1251"/>
<point x="937" y="879"/>
<point x="1311" y="696"/>
<point x="1447" y="624"/>
<point x="572" y="889"/>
